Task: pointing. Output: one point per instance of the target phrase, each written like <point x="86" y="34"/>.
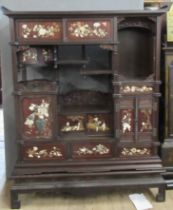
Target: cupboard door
<point x="146" y="118"/>
<point x="125" y="115"/>
<point x="36" y="121"/>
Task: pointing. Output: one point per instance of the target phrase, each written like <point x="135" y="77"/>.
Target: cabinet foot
<point x="160" y="197"/>
<point x="15" y="203"/>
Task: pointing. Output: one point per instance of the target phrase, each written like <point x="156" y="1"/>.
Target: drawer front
<point x="89" y="30"/>
<point x="43" y="152"/>
<point x="130" y="152"/>
<point x="39" y="30"/>
<point x="91" y="150"/>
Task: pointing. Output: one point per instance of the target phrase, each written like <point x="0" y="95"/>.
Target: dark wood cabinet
<point x="167" y="147"/>
<point x="86" y="86"/>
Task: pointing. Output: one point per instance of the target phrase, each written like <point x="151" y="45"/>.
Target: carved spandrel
<point x="138" y="23"/>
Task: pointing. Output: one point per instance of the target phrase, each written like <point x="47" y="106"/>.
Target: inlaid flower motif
<point x="136" y="89"/>
<point x="135" y="151"/>
<point x="40" y="30"/>
<point x="84" y="30"/>
<point x="35" y="152"/>
<point x="98" y="149"/>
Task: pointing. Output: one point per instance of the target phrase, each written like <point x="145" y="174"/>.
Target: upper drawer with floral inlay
<point x="39" y="30"/>
<point x="89" y="30"/>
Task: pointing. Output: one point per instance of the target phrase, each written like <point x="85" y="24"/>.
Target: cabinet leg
<point x="15" y="203"/>
<point x="160" y="197"/>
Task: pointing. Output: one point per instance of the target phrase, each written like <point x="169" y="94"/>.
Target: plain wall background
<point x="5" y="52"/>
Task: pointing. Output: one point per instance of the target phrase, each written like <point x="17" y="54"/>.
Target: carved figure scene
<point x="126" y="121"/>
<point x="73" y="124"/>
<point x="37" y="122"/>
<point x="145" y="122"/>
<point x="97" y="124"/>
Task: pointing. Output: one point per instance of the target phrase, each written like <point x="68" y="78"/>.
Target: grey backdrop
<point x="5" y="52"/>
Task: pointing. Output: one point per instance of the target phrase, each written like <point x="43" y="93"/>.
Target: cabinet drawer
<point x="39" y="30"/>
<point x="43" y="152"/>
<point x="89" y="30"/>
<point x="91" y="150"/>
<point x="139" y="151"/>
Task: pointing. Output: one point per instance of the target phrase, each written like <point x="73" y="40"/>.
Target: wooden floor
<point x="116" y="200"/>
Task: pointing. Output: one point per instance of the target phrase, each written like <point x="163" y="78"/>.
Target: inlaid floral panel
<point x="39" y="30"/>
<point x="133" y="89"/>
<point x="79" y="30"/>
<point x="37" y="117"/>
<point x="135" y="151"/>
<point x="43" y="152"/>
<point x="91" y="150"/>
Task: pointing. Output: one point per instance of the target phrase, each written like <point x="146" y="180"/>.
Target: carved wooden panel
<point x="36" y="117"/>
<point x="43" y="152"/>
<point x="89" y="30"/>
<point x="39" y="30"/>
<point x="91" y="150"/>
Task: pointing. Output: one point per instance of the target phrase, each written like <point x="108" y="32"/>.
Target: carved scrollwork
<point x="135" y="23"/>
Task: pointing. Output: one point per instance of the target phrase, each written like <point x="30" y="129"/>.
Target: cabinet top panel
<point x="34" y="14"/>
